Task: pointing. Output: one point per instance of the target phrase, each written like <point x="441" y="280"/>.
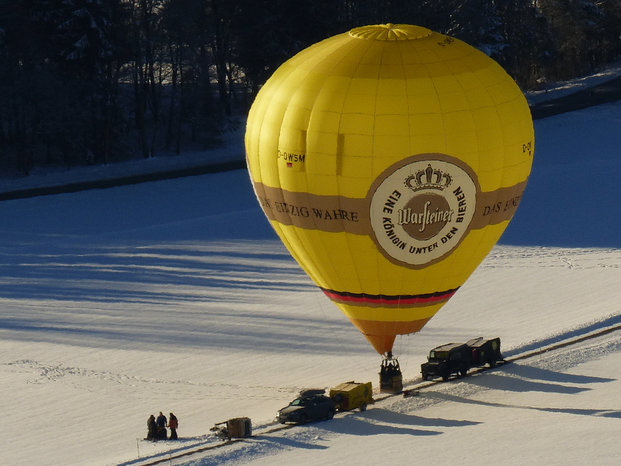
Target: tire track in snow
<point x="48" y="373"/>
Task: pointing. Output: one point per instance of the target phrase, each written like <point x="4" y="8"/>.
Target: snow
<point x="563" y="88"/>
<point x="176" y="296"/>
<point x="231" y="149"/>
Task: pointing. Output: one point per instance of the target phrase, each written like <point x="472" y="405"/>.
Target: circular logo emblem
<point x="421" y="208"/>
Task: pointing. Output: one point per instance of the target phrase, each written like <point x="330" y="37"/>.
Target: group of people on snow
<point x="156" y="427"/>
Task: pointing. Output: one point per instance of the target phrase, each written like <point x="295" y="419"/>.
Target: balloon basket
<point x="391" y="379"/>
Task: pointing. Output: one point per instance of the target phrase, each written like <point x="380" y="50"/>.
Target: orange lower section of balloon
<point x="382" y="334"/>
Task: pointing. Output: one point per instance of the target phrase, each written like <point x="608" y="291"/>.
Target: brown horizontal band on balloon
<point x="314" y="212"/>
<point x="345" y="214"/>
<point x="389" y="301"/>
<point x="497" y="206"/>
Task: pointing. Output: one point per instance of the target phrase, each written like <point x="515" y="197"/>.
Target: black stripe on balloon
<point x="389" y="300"/>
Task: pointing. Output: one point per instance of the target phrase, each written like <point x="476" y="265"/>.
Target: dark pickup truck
<point x="457" y="358"/>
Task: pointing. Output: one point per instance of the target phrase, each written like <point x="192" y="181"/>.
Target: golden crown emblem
<point x="428" y="178"/>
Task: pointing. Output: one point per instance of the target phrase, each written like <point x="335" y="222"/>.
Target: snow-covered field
<point x="176" y="296"/>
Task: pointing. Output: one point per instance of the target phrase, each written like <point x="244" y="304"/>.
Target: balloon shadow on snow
<point x="587" y="328"/>
<point x="391" y="417"/>
<point x="359" y="425"/>
<point x="445" y="397"/>
<point x="515" y="384"/>
<point x="284" y="443"/>
<point x="537" y="373"/>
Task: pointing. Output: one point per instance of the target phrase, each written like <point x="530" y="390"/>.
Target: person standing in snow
<point x="151" y="428"/>
<point x="173" y="423"/>
<point x="161" y="426"/>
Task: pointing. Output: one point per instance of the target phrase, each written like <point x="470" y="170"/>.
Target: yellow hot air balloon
<point x="389" y="160"/>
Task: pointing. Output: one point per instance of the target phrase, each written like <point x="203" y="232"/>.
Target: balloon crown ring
<point x="390" y="31"/>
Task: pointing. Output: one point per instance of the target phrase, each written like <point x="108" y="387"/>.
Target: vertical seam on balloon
<point x="504" y="143"/>
<point x="481" y="86"/>
<point x="452" y="258"/>
<point x="374" y="171"/>
<point x="276" y="226"/>
<point x="277" y="171"/>
<point x="425" y="280"/>
<point x="334" y="270"/>
<point x="334" y="266"/>
<point x="404" y="277"/>
<point x="339" y="192"/>
<point x="437" y="95"/>
<point x="257" y="136"/>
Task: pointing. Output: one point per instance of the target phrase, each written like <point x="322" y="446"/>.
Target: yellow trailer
<point x="352" y="395"/>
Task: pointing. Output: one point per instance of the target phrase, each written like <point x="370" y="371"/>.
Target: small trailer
<point x="239" y="427"/>
<point x="485" y="351"/>
<point x="352" y="395"/>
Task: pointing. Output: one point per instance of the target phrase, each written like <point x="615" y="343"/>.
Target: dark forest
<point x="98" y="81"/>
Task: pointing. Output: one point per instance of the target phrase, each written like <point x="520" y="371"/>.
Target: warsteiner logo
<point x="422" y="207"/>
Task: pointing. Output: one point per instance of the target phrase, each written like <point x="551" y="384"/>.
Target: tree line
<point x="98" y="81"/>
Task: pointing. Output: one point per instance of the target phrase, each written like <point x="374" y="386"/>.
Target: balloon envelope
<point x="389" y="160"/>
